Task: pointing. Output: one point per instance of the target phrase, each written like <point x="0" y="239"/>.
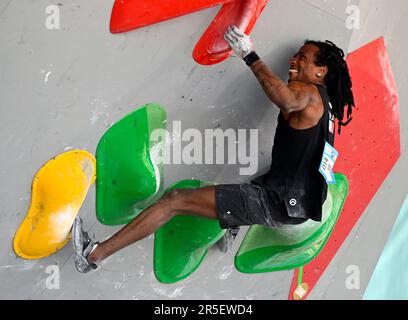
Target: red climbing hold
<point x="212" y="48"/>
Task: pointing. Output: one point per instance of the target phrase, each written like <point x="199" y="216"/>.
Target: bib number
<point x="329" y="157"/>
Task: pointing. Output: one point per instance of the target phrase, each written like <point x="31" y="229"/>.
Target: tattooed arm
<point x="289" y="98"/>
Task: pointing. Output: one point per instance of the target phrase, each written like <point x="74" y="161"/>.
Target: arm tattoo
<point x="276" y="90"/>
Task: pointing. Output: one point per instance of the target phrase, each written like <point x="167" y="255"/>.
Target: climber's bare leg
<point x="200" y="202"/>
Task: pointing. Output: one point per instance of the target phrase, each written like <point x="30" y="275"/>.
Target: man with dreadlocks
<point x="293" y="190"/>
<point x="318" y="90"/>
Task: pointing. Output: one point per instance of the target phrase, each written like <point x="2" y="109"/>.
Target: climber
<point x="293" y="190"/>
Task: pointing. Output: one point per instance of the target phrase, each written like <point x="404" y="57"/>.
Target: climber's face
<point x="303" y="67"/>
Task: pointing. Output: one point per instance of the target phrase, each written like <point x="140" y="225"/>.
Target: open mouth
<point x="293" y="71"/>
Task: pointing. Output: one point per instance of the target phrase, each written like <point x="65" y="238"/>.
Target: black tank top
<point x="296" y="155"/>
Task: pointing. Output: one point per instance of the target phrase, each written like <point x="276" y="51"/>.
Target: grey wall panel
<point x="63" y="89"/>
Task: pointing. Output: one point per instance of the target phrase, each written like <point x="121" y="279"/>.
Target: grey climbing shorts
<point x="249" y="204"/>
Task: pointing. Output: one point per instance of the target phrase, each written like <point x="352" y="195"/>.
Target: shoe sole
<point x="76" y="236"/>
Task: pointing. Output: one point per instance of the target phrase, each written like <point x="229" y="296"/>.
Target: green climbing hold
<point x="273" y="249"/>
<point x="182" y="243"/>
<point x="129" y="169"/>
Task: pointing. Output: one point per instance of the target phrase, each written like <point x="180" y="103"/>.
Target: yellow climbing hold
<point x="58" y="191"/>
<point x="301" y="291"/>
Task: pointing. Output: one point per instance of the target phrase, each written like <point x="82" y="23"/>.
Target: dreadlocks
<point x="337" y="80"/>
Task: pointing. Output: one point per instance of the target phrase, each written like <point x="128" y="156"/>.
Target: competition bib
<point x="326" y="166"/>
